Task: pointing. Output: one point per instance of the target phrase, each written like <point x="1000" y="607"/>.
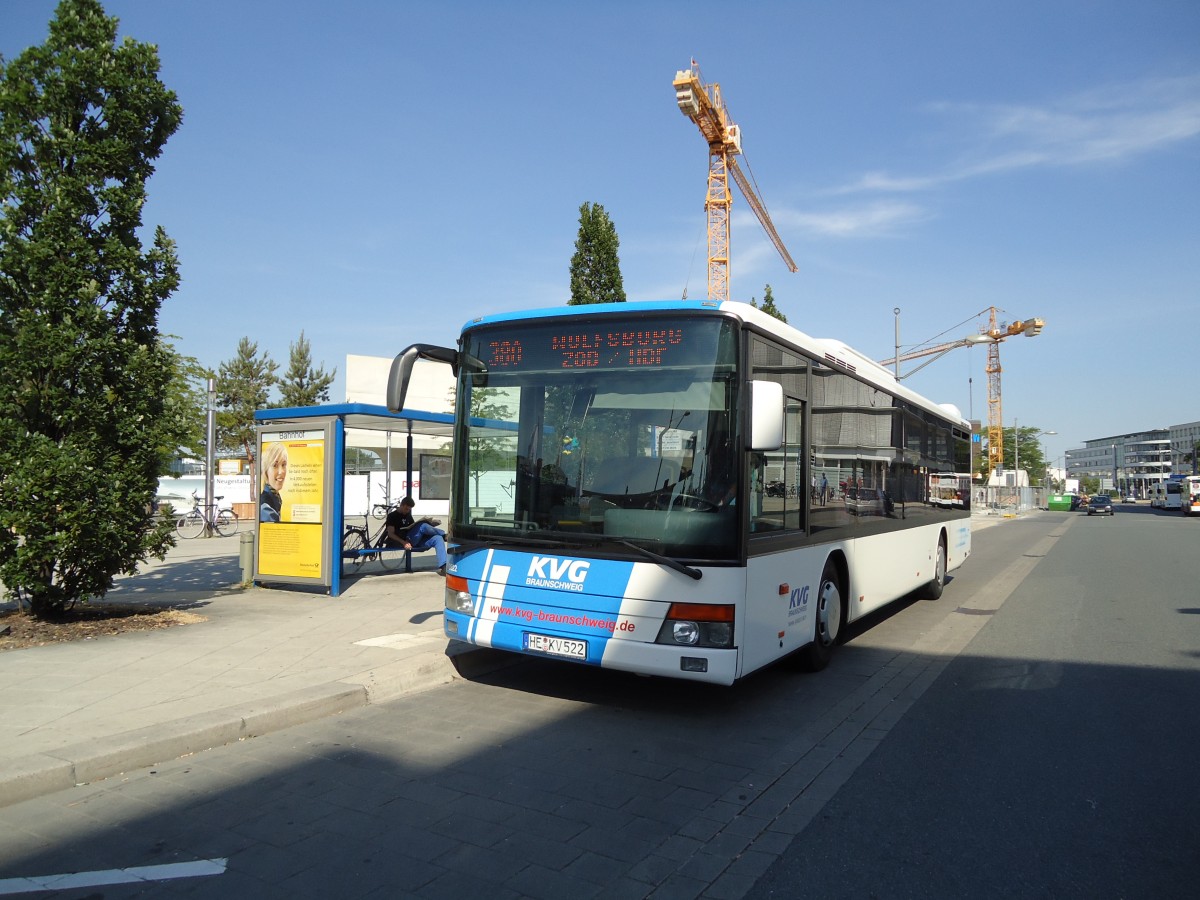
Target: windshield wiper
<point x="662" y="560"/>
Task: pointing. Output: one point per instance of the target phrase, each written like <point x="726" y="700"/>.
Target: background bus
<point x="640" y="439"/>
<point x="1171" y="495"/>
<point x="950" y="490"/>
<point x="1189" y="495"/>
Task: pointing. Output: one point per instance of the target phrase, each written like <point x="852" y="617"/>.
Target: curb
<point x="47" y="773"/>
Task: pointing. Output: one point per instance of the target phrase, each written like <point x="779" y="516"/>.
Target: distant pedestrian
<point x="824" y="489"/>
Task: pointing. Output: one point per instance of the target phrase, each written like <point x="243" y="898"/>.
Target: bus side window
<point x="782" y="497"/>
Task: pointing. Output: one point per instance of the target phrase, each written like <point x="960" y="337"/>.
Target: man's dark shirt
<point x="401" y="522"/>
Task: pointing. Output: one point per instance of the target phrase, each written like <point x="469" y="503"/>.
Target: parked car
<point x="1100" y="505"/>
<point x="1130" y="498"/>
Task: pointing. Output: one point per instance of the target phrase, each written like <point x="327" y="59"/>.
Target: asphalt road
<point x="1056" y="757"/>
<point x="1028" y="735"/>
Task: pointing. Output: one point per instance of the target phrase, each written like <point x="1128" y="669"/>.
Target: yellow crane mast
<point x="703" y="105"/>
<point x="992" y="335"/>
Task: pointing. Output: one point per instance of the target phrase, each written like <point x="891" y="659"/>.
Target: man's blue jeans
<point x="426" y="537"/>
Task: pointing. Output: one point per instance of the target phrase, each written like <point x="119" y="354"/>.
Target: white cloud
<point x="1106" y="125"/>
<point x="861" y="220"/>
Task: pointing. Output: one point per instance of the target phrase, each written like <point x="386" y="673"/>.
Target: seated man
<point x="403" y="531"/>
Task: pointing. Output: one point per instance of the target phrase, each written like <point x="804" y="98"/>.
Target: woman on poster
<point x="274" y="474"/>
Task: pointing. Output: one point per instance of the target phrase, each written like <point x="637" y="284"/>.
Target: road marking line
<point x="165" y="872"/>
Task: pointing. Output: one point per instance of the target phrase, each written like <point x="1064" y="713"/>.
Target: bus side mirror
<point x="766" y="415"/>
<point x="402" y="366"/>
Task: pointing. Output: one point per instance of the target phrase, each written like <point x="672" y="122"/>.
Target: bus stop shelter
<point x="301" y="542"/>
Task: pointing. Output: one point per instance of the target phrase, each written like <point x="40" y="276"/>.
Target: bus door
<point x="779" y="587"/>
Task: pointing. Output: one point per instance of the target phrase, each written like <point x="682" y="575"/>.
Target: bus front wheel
<point x="831" y="616"/>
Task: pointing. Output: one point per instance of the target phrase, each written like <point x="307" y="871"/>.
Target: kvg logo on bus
<point x="798" y="599"/>
<point x="559" y="574"/>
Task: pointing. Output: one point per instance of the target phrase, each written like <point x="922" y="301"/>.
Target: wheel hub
<point x="829" y="612"/>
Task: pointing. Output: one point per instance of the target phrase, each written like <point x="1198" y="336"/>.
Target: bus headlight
<point x="697" y="625"/>
<point x="685" y="632"/>
<point x="458" y="597"/>
<point x="720" y="634"/>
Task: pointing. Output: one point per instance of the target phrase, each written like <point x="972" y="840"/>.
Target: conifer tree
<point x="243" y="386"/>
<point x="301" y="384"/>
<point x="596" y="265"/>
<point x="768" y="305"/>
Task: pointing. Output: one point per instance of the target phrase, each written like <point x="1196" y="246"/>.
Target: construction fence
<point x="1007" y="501"/>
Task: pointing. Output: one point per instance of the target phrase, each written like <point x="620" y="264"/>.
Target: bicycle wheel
<point x="380" y="510"/>
<point x="352" y="542"/>
<point x="190" y="525"/>
<point x="391" y="560"/>
<point x="226" y="523"/>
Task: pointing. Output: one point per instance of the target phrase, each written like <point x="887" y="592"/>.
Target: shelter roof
<point x="365" y="415"/>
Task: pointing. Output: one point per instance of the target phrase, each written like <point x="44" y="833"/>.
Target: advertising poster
<point x="291" y="501"/>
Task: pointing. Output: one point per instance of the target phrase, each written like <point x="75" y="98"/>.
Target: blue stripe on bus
<point x="641" y="306"/>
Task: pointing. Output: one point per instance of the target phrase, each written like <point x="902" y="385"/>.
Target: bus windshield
<point x="580" y="434"/>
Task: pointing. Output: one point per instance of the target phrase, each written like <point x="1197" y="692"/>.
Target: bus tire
<point x="933" y="589"/>
<point x="831" y="616"/>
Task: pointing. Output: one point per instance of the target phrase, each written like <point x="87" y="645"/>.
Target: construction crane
<point x="703" y="105"/>
<point x="992" y="335"/>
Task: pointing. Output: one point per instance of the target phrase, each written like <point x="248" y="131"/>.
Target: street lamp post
<point x="1017" y="466"/>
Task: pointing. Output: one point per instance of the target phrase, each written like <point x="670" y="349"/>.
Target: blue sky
<point x="376" y="173"/>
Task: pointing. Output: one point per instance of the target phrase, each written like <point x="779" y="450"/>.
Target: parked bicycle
<point x="206" y="518"/>
<point x="358" y="538"/>
<point x="380" y="510"/>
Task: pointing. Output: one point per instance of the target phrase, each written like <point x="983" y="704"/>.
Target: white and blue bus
<point x="639" y="440"/>
<point x="1189" y="495"/>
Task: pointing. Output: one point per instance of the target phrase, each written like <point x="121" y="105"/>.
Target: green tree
<point x="243" y="385"/>
<point x="596" y="265"/>
<point x="358" y="461"/>
<point x="768" y="305"/>
<point x="1029" y="458"/>
<point x="301" y="384"/>
<point x="185" y="406"/>
<point x="83" y="371"/>
<point x="1026" y="442"/>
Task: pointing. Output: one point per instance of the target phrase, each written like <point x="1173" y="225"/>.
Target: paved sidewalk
<point x="264" y="659"/>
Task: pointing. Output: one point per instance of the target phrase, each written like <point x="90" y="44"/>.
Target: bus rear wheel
<point x="933" y="589"/>
<point x="831" y="616"/>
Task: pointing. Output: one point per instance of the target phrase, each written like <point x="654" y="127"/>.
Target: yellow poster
<point x="290" y="505"/>
<point x="289" y="550"/>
